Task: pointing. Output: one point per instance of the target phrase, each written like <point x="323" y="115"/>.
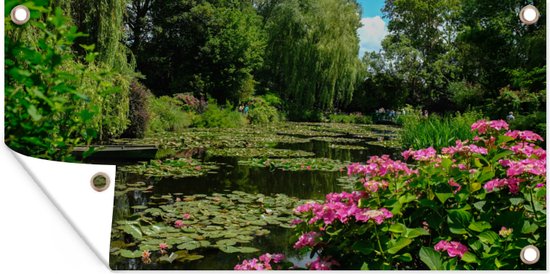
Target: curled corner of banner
<point x="71" y="189"/>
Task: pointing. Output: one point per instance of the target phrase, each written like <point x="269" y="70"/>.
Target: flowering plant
<point x="474" y="205"/>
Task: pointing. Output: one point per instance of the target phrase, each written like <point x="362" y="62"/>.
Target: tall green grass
<point x="436" y="131"/>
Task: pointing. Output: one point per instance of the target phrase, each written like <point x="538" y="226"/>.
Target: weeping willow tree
<point x="103" y="22"/>
<point x="313" y="53"/>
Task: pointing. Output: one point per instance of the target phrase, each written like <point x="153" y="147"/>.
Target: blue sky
<point x="374" y="26"/>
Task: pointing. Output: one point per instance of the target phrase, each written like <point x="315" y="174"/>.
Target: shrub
<point x="473" y="205"/>
<point x="353" y="118"/>
<point x="217" y="117"/>
<point x="465" y="95"/>
<point x="167" y="115"/>
<point x="419" y="132"/>
<point x="139" y="114"/>
<point x="261" y="112"/>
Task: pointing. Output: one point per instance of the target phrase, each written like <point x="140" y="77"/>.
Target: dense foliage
<point x="435" y="131"/>
<point x="48" y="106"/>
<point x="473" y="205"/>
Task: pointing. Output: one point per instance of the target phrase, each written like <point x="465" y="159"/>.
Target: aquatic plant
<point x="228" y="222"/>
<point x="296" y="164"/>
<point x="173" y="168"/>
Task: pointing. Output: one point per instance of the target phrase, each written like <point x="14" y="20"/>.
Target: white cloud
<point x="371" y="34"/>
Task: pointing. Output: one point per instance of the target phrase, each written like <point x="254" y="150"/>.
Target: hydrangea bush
<point x="474" y="205"/>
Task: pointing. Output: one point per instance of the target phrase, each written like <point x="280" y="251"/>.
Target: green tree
<point x="312" y="53"/>
<point x="421" y="46"/>
<point x="206" y="47"/>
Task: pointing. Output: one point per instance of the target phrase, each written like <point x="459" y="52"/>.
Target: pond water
<point x="232" y="176"/>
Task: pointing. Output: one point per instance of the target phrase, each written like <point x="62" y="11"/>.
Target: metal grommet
<point x="530" y="254"/>
<point x="100" y="181"/>
<point x="529" y="15"/>
<point x="20" y="15"/>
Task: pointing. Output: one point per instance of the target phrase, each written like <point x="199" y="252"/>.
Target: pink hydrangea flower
<point x="373" y="186"/>
<point x="322" y="264"/>
<point x="453" y="248"/>
<point x="531" y="166"/>
<point x="276" y="258"/>
<point x="420" y="155"/>
<point x="253" y="264"/>
<point x="528" y="149"/>
<point x="511" y="183"/>
<point x="482" y="126"/>
<point x="378" y="216"/>
<point x="462" y="148"/>
<point x="526" y="135"/>
<point x="306" y="240"/>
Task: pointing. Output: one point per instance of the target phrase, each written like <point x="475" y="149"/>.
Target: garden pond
<point x="214" y="197"/>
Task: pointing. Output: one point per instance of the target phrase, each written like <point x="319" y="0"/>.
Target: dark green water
<point x="231" y="177"/>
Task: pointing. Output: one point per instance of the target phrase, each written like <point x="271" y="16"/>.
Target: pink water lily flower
<point x="179" y="224"/>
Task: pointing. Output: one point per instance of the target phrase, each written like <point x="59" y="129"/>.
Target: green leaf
<point x="457" y="230"/>
<point x="488" y="237"/>
<point x="415" y="232"/>
<point x="460" y="217"/>
<point x="479" y="205"/>
<point x="133" y="230"/>
<point x="446" y="163"/>
<point x="33" y="112"/>
<point x="404" y="257"/>
<point x="431" y="258"/>
<point x="470" y="258"/>
<point x="130" y="254"/>
<point x="529" y="228"/>
<point x="479" y="226"/>
<point x="398" y="245"/>
<point x="363" y="247"/>
<point x="443" y="196"/>
<point x="398" y="228"/>
<point x="173" y="256"/>
<point x="365" y="266"/>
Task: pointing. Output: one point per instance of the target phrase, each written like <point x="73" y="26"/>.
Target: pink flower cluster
<point x="531" y="166"/>
<point x="307" y="240"/>
<point x="380" y="166"/>
<point x="511" y="183"/>
<point x="342" y="210"/>
<point x="373" y="186"/>
<point x="453" y="248"/>
<point x="264" y="262"/>
<point x="482" y="126"/>
<point x="528" y="149"/>
<point x="420" y="155"/>
<point x="462" y="148"/>
<point x="524" y="135"/>
<point x="322" y="264"/>
<point x="377" y="216"/>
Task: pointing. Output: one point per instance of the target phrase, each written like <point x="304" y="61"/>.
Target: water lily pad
<point x="130" y="254"/>
<point x="192" y="245"/>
